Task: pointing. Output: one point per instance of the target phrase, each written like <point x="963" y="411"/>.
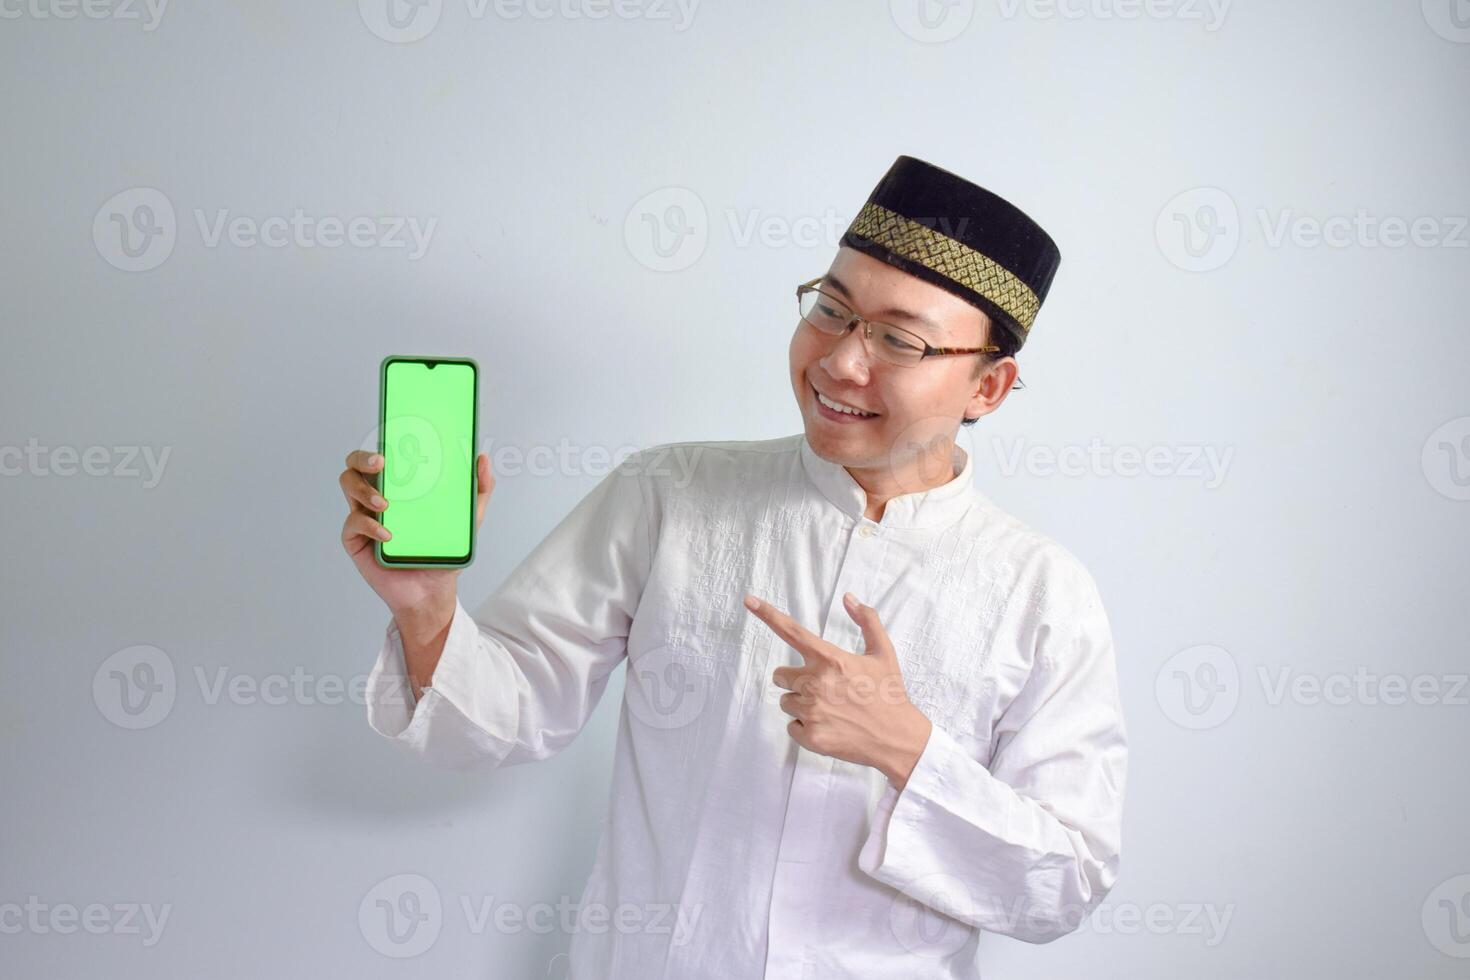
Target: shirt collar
<point x="935" y="507"/>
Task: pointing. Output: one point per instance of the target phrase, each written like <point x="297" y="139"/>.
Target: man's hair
<point x="1001" y="336"/>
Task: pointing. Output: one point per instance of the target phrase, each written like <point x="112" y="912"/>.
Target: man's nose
<point x="848" y="358"/>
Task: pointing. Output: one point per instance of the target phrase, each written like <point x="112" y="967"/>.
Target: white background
<point x="1329" y="543"/>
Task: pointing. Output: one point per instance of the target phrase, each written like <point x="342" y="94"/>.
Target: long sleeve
<point x="518" y="680"/>
<point x="1030" y="845"/>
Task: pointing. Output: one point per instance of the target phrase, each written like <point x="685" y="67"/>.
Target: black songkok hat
<point x="961" y="237"/>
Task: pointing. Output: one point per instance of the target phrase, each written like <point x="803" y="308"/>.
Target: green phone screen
<point x="428" y="441"/>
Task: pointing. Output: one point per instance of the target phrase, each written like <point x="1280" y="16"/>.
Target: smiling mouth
<point x="833" y="405"/>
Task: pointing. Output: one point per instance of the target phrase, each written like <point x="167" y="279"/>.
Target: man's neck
<point x="924" y="472"/>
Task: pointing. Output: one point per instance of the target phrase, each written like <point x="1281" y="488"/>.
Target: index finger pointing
<point x="803" y="640"/>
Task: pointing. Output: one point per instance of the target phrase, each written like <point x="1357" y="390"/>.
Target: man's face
<point x="918" y="406"/>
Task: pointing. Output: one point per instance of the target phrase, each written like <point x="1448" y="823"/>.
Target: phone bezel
<point x="430" y="561"/>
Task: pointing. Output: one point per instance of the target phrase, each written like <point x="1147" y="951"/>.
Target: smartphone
<point x="427" y="433"/>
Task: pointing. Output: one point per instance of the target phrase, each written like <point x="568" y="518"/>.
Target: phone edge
<point x="474" y="454"/>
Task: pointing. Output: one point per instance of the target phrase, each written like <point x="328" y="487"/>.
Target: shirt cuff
<point x="896" y="850"/>
<point x="390" y="700"/>
<point x="469" y="710"/>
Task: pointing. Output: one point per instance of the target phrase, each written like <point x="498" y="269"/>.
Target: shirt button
<point x="866" y="530"/>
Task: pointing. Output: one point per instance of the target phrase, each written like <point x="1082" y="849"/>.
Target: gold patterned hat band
<point x="961" y="237"/>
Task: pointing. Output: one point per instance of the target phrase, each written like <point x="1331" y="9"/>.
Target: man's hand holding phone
<point x="421" y="599"/>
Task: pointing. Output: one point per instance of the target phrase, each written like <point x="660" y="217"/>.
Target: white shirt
<point x="766" y="859"/>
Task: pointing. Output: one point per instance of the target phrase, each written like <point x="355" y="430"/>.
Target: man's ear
<point x="992" y="383"/>
<point x="992" y="378"/>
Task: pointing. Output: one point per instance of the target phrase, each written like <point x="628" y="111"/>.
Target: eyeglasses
<point x="829" y="315"/>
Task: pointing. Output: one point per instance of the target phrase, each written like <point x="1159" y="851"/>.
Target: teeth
<point x="844" y="409"/>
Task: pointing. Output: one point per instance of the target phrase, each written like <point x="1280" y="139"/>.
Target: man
<point x="868" y="715"/>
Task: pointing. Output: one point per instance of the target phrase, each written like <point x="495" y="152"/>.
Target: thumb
<point x="875" y="637"/>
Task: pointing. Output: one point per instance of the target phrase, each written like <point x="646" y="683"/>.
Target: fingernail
<point x="375" y="459"/>
<point x="851" y="599"/>
<point x="752" y="603"/>
<point x="379" y="503"/>
<point x="384" y="533"/>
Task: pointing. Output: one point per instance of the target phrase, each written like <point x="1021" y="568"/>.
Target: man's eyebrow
<point x="891" y="313"/>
